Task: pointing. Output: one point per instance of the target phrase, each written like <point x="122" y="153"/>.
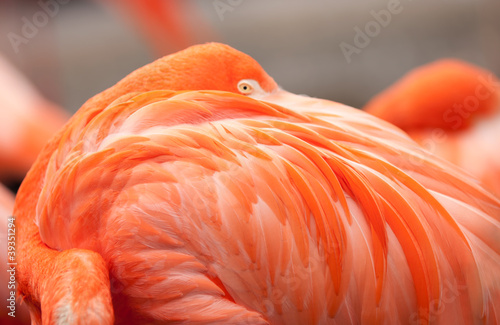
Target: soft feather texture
<point x="212" y="207"/>
<point x="449" y="94"/>
<point x="452" y="108"/>
<point x="211" y="66"/>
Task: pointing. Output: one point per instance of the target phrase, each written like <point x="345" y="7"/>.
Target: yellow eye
<point x="245" y="87"/>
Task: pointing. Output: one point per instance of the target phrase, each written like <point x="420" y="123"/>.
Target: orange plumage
<point x="451" y="108"/>
<point x="157" y="205"/>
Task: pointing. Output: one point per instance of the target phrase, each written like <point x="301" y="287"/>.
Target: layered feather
<point x="211" y="207"/>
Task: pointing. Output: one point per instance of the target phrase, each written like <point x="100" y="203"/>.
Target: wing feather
<point x="222" y="206"/>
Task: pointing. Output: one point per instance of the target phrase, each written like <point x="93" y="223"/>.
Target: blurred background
<point x="87" y="46"/>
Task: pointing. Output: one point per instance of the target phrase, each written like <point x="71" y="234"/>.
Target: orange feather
<point x="452" y="109"/>
<point x="176" y="199"/>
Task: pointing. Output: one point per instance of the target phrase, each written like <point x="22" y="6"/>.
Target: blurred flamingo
<point x="6" y="285"/>
<point x="27" y="121"/>
<point x="168" y="25"/>
<point x="154" y="205"/>
<point x="452" y="108"/>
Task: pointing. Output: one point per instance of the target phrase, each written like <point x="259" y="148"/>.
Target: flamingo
<point x="27" y="121"/>
<point x="165" y="23"/>
<point x="196" y="190"/>
<point x="452" y="108"/>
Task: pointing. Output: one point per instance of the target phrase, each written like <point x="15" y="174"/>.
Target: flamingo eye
<point x="245" y="87"/>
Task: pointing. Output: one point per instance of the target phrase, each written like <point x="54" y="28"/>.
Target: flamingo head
<point x="211" y="66"/>
<point x="447" y="94"/>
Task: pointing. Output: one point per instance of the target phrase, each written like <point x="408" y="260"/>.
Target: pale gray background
<point x="87" y="46"/>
